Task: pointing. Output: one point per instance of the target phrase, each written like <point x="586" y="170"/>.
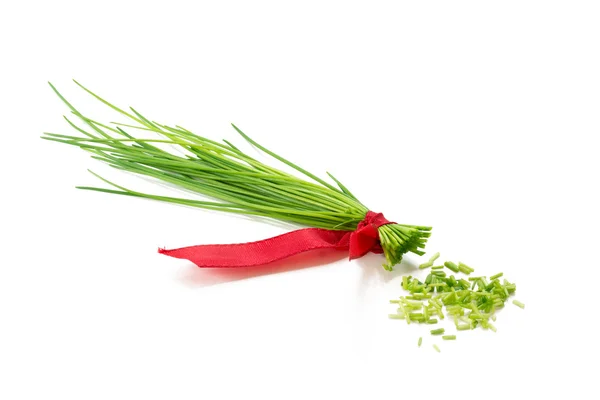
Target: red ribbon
<point x="358" y="243"/>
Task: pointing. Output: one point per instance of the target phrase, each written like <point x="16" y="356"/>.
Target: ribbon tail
<point x="263" y="251"/>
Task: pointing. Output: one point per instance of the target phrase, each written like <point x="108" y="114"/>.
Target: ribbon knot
<point x="366" y="236"/>
<point x="358" y="243"/>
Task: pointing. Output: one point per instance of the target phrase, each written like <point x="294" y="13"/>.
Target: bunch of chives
<point x="233" y="181"/>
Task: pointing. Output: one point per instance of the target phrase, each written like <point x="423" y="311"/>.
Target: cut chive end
<point x="518" y="304"/>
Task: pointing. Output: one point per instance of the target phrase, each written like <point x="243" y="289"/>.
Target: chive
<point x="518" y="303"/>
<point x="451" y="281"/>
<point x="438" y="267"/>
<point x="496" y="276"/>
<point x="428" y="279"/>
<point x="438" y="284"/>
<point x="434" y="257"/>
<point x="436" y="348"/>
<point x="467" y="307"/>
<point x="465" y="269"/>
<point x="449" y="337"/>
<point x="451" y="266"/>
<point x="420" y="341"/>
<point x="234" y="181"/>
<point x="396" y="316"/>
<point x="426" y="265"/>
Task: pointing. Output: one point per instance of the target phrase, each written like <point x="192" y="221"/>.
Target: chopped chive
<point x="426" y="265"/>
<point x="396" y="316"/>
<point x="518" y="303"/>
<point x="420" y="341"/>
<point x="469" y="307"/>
<point x="465" y="269"/>
<point x="449" y="337"/>
<point x="451" y="266"/>
<point x="438" y="284"/>
<point x="436" y="348"/>
<point x="437" y="267"/>
<point x="496" y="276"/>
<point x="434" y="257"/>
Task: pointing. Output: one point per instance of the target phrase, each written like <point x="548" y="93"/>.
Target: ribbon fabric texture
<point x="358" y="243"/>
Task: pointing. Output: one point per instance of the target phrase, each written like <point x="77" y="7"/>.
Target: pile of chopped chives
<point x="470" y="302"/>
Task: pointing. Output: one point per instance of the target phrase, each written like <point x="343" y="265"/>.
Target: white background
<point x="478" y="118"/>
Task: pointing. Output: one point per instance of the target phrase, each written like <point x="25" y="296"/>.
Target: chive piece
<point x="426" y="265"/>
<point x="449" y="337"/>
<point x="451" y="266"/>
<point x="434" y="257"/>
<point x="465" y="269"/>
<point x="518" y="303"/>
<point x="438" y="284"/>
<point x="420" y="341"/>
<point x="432" y="321"/>
<point x="437" y="331"/>
<point x="463" y="327"/>
<point x="437" y="267"/>
<point x="396" y="316"/>
<point x="496" y="276"/>
<point x="436" y="348"/>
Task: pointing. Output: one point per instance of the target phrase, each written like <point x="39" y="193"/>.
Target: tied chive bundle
<point x="237" y="182"/>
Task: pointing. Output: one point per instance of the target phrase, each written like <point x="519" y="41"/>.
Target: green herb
<point x="436" y="348"/>
<point x="465" y="269"/>
<point x="518" y="304"/>
<point x="451" y="266"/>
<point x="434" y="257"/>
<point x="236" y="182"/>
<point x="470" y="303"/>
<point x="396" y="316"/>
<point x="420" y="341"/>
<point x="449" y="337"/>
